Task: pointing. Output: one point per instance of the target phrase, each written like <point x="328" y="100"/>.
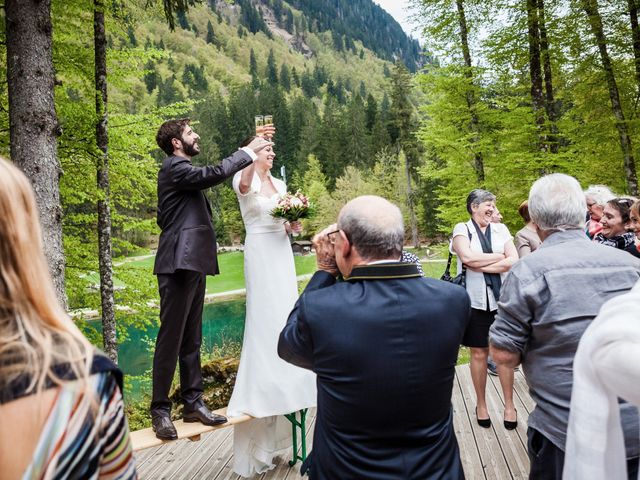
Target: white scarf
<point x="606" y="366"/>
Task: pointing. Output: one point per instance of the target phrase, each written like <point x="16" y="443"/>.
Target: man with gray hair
<point x="383" y="344"/>
<point x="547" y="301"/>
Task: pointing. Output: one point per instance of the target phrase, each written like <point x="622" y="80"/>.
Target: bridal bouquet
<point x="292" y="207"/>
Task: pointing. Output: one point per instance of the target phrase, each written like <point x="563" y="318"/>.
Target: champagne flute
<point x="259" y="121"/>
<point x="268" y="119"/>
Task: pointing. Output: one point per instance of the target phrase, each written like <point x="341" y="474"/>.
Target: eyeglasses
<point x="332" y="237"/>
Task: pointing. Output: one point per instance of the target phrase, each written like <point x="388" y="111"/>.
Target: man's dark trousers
<point x="547" y="460"/>
<point x="180" y="336"/>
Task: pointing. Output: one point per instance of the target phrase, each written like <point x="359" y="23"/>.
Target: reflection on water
<point x="222" y="321"/>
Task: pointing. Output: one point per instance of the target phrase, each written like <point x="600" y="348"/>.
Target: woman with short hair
<point x="487" y="252"/>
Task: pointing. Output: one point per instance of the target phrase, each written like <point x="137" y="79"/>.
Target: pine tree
<point x="371" y="112"/>
<point x="294" y="77"/>
<point x="285" y="78"/>
<point x="253" y="69"/>
<point x="182" y="20"/>
<point x="211" y="35"/>
<point x="403" y="128"/>
<point x="272" y="71"/>
<point x="150" y="76"/>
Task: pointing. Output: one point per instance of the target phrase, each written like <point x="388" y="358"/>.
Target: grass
<point x="231" y="266"/>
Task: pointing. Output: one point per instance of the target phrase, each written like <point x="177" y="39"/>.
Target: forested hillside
<point x="324" y="70"/>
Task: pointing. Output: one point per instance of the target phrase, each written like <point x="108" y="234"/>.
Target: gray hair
<point x="556" y="202"/>
<point x="478" y="196"/>
<point x="374" y="226"/>
<point x="601" y="194"/>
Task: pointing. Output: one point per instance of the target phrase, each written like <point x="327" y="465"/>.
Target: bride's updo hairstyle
<point x="35" y="332"/>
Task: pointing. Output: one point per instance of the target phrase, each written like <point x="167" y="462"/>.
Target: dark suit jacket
<point x="187" y="240"/>
<point x="384" y="345"/>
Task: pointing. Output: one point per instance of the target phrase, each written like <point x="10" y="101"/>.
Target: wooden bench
<point x="146" y="438"/>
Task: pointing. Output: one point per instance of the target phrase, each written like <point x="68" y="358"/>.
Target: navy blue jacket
<point x="384" y="345"/>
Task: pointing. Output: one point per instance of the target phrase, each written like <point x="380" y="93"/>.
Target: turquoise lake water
<point x="222" y="321"/>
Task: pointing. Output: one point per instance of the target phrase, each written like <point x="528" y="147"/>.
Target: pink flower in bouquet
<point x="293" y="207"/>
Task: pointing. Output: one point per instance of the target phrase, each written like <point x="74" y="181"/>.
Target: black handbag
<point x="460" y="279"/>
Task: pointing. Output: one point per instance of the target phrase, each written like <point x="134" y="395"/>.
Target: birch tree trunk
<point x="595" y="21"/>
<point x="104" y="213"/>
<point x="33" y="123"/>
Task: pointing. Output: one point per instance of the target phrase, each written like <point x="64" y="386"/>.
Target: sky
<point x="398" y="10"/>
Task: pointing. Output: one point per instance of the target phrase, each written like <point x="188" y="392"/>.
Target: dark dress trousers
<point x="186" y="254"/>
<point x="384" y="345"/>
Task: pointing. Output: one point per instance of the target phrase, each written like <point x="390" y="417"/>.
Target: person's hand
<point x="266" y="131"/>
<point x="295" y="227"/>
<point x="325" y="253"/>
<point x="258" y="144"/>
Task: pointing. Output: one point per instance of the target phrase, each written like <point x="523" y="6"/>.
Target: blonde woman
<point x="61" y="410"/>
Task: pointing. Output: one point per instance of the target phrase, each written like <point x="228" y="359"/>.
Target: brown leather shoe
<point x="163" y="427"/>
<point x="203" y="415"/>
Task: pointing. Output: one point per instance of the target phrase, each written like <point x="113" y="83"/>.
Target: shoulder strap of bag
<point x="447" y="271"/>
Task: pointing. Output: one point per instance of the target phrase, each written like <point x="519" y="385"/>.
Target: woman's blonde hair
<point x="35" y="332"/>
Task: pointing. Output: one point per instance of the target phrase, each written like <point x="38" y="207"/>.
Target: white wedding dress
<point x="266" y="387"/>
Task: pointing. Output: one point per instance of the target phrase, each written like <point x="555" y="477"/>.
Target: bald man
<point x="383" y="344"/>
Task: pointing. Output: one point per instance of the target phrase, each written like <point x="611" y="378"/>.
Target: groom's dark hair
<point x="248" y="140"/>
<point x="168" y="131"/>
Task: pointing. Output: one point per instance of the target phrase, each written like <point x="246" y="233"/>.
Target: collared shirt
<point x="476" y="286"/>
<point x="547" y="301"/>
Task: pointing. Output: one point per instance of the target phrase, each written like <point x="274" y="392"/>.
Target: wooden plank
<point x="146" y="438"/>
<point x="164" y="455"/>
<point x="142" y="456"/>
<point x="462" y="418"/>
<point x="509" y="442"/>
<point x="190" y="454"/>
<point x="523" y="414"/>
<point x="493" y="453"/>
<point x="214" y="466"/>
<point x="214" y="445"/>
<point x="493" y="461"/>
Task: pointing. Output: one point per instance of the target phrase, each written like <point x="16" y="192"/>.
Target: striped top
<point x="83" y="438"/>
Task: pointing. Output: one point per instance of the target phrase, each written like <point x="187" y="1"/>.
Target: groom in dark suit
<point x="383" y="344"/>
<point x="186" y="254"/>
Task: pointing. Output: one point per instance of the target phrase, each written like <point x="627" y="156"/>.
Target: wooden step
<point x="146" y="438"/>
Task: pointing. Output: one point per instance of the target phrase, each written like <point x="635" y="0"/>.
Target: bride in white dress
<point x="266" y="386"/>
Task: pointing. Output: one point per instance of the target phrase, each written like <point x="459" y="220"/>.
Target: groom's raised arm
<point x="186" y="176"/>
<point x="296" y="343"/>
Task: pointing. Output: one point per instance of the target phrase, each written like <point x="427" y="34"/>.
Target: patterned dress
<point x="83" y="438"/>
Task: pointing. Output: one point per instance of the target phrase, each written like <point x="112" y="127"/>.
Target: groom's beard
<point x="192" y="149"/>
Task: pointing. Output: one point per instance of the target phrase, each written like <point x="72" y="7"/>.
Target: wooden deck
<point x="494" y="453"/>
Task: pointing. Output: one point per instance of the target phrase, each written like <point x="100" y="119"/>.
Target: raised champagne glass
<point x="259" y="121"/>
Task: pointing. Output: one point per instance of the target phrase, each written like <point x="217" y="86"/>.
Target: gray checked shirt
<point x="546" y="303"/>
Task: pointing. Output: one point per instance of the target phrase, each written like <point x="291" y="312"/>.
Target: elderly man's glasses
<point x="333" y="235"/>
